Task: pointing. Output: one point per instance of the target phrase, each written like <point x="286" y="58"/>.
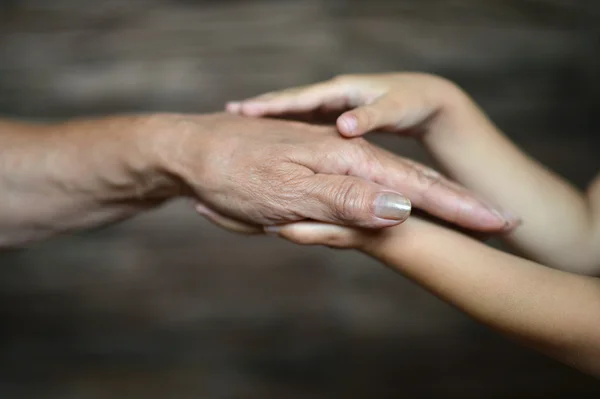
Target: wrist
<point x="455" y="111"/>
<point x="86" y="172"/>
<point x="113" y="160"/>
<point x="177" y="147"/>
<point x="400" y="245"/>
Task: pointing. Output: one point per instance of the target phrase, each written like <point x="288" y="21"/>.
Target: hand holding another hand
<point x="248" y="173"/>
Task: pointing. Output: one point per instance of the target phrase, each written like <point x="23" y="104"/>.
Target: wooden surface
<point x="166" y="306"/>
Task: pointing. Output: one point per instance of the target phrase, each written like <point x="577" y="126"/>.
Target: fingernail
<point x="510" y="220"/>
<point x="392" y="206"/>
<point x="272" y="230"/>
<point x="349" y="123"/>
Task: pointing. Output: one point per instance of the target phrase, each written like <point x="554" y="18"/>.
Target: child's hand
<point x="398" y="102"/>
<point x="384" y="244"/>
<point x="331" y="235"/>
<point x="453" y="129"/>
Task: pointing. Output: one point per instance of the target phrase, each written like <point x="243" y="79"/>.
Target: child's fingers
<point x="330" y="94"/>
<point x="225" y="222"/>
<point x="399" y="112"/>
<point x="315" y="233"/>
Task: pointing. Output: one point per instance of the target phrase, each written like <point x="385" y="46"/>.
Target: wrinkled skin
<point x="256" y="172"/>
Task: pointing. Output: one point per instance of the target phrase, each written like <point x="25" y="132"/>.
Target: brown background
<point x="167" y="306"/>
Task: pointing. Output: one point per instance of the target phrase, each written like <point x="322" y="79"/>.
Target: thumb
<point x="386" y="113"/>
<point x="352" y="201"/>
<point x="315" y="233"/>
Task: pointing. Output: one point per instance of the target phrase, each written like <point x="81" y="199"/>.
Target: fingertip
<point x="512" y="225"/>
<point x="273" y="230"/>
<point x="493" y="217"/>
<point x="348" y="125"/>
<point x="485" y="219"/>
<point x="392" y="207"/>
<point x="316" y="233"/>
<point x="233" y="107"/>
<point x="253" y="109"/>
<point x="201" y="209"/>
<point x="510" y="221"/>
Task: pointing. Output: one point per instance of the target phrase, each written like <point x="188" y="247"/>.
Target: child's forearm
<point x="553" y="311"/>
<point x="561" y="227"/>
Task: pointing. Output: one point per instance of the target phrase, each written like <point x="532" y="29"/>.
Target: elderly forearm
<point x="557" y="225"/>
<point x="78" y="174"/>
<point x="553" y="311"/>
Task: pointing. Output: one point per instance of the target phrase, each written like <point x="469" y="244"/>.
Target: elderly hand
<point x="244" y="171"/>
<point x="257" y="172"/>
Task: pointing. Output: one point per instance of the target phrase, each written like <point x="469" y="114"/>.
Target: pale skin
<point x="85" y="173"/>
<point x="554" y="311"/>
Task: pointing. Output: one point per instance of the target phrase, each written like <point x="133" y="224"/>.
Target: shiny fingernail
<point x="392" y="206"/>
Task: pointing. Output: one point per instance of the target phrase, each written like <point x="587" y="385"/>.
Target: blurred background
<point x="167" y="306"/>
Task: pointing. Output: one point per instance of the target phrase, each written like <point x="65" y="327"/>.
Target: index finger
<point x="433" y="193"/>
<point x="331" y="94"/>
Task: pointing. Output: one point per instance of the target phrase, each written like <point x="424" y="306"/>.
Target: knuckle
<point x="274" y="188"/>
<point x="366" y="162"/>
<point x="425" y="181"/>
<point x="288" y="188"/>
<point x="264" y="171"/>
<point x="362" y="144"/>
<point x="286" y="183"/>
<point x="362" y="150"/>
<point x="366" y="116"/>
<point x="286" y="177"/>
<point x="342" y="157"/>
<point x="350" y="201"/>
<point x="427" y="176"/>
<point x="418" y="179"/>
<point x="334" y="155"/>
